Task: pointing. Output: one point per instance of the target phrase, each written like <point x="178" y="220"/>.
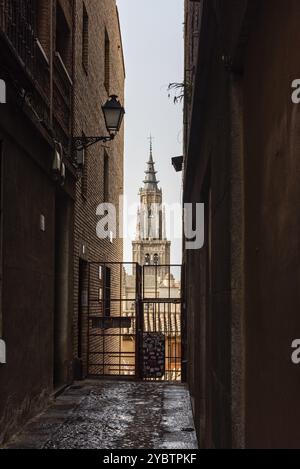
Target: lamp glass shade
<point x="113" y="114"/>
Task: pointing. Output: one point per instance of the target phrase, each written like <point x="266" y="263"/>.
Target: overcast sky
<point x="153" y="47"/>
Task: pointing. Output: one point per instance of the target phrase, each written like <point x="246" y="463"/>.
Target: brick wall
<point x="90" y="95"/>
<point x="37" y="228"/>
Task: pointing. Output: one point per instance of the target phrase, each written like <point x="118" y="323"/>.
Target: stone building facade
<point x="242" y="161"/>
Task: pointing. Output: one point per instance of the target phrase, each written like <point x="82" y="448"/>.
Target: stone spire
<point x="150" y="181"/>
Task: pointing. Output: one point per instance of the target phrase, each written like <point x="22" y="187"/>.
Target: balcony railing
<point x="17" y="23"/>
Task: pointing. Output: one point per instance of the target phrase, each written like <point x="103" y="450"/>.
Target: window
<point x="63" y="38"/>
<point x="107" y="63"/>
<point x="106" y="177"/>
<point x="85" y="40"/>
<point x="42" y="24"/>
<point x="156" y="259"/>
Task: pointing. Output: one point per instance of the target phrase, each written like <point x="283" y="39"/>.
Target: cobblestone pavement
<point x="114" y="415"/>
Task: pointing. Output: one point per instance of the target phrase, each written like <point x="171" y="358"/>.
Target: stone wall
<point x="241" y="159"/>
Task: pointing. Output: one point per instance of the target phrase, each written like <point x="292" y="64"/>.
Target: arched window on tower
<point x="156" y="259"/>
<point x="147" y="259"/>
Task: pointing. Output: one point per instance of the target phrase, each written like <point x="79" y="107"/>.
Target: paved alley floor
<point x="114" y="415"/>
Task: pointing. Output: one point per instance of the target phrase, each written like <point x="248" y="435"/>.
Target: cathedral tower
<point x="151" y="246"/>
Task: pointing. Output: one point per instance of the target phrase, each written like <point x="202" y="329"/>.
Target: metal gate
<point x="134" y="321"/>
<point x="161" y="344"/>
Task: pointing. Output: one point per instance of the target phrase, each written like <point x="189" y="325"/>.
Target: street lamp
<point x="113" y="113"/>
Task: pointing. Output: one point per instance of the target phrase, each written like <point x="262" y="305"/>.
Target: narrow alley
<point x="149" y="226"/>
<point x="111" y="415"/>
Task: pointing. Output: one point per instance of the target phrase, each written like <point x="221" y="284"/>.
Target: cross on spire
<point x="151" y="146"/>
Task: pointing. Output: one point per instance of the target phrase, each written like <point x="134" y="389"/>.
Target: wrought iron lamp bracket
<point x="81" y="143"/>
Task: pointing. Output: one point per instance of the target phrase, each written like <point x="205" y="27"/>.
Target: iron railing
<point x="17" y="20"/>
